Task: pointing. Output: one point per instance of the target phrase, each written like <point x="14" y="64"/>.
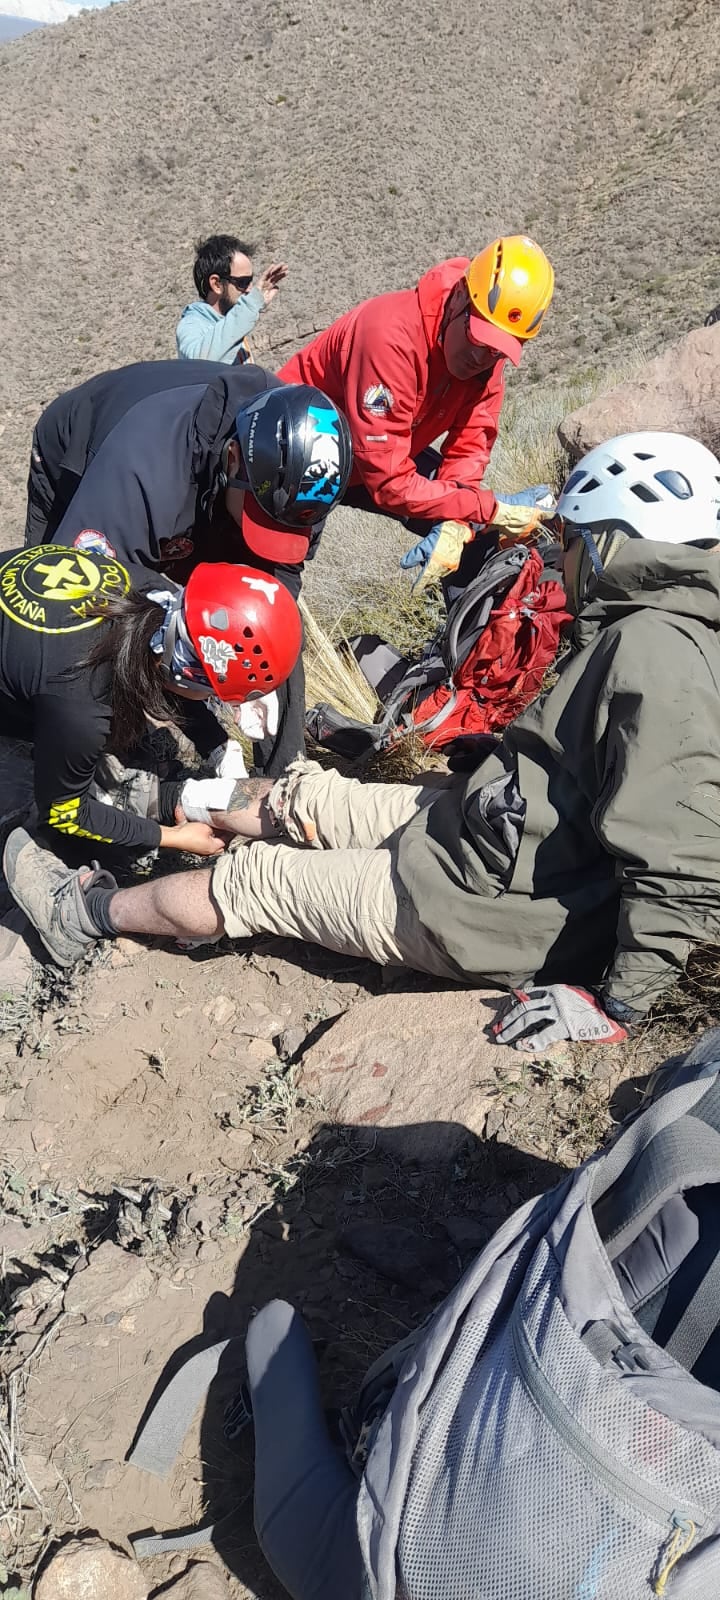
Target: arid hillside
<point x="361" y="145"/>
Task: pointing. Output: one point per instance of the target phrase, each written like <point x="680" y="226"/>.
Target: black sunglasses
<point x="242" y="284"/>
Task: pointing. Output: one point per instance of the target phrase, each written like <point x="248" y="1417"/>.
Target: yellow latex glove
<point x="518" y="523"/>
<point x="439" y="553"/>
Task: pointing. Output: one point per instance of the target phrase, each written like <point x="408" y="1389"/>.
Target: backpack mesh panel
<point x="501" y="1506"/>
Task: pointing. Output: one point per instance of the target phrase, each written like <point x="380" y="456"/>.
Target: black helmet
<point x="297" y="453"/>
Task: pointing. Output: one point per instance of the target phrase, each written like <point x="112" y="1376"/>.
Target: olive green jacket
<point x="617" y="870"/>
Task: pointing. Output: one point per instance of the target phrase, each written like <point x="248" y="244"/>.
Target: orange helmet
<point x="510" y="285"/>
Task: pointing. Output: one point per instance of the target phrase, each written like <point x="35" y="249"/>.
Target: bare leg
<point x="247" y="813"/>
<point x="179" y="907"/>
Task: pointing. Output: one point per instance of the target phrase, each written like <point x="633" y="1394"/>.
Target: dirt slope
<point x="361" y="145"/>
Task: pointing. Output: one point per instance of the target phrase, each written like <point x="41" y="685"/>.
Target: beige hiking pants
<point x="342" y="890"/>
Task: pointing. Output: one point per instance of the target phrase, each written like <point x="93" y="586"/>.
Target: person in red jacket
<point x="410" y="366"/>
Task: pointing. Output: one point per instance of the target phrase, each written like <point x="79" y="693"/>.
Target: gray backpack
<point x="554" y="1431"/>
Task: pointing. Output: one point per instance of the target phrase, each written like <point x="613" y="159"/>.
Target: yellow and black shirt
<point x="48" y="597"/>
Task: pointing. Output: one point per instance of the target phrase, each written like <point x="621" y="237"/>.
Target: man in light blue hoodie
<point x="215" y="327"/>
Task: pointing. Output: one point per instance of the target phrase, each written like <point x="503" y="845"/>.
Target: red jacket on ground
<point x="382" y="363"/>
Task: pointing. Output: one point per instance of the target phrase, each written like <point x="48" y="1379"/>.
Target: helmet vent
<point x="587" y="488"/>
<point x="642" y="455"/>
<point x="616" y="468"/>
<point x="257" y="650"/>
<point x="676" y="482"/>
<point x="247" y="633"/>
<point x="643" y="492"/>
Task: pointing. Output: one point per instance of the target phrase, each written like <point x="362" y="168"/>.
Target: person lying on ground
<point x="408" y="367"/>
<point x="85" y="660"/>
<point x="581" y="857"/>
<point x="215" y="327"/>
<point x="234" y="466"/>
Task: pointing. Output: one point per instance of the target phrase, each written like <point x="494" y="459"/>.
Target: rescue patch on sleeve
<point x="378" y="399"/>
<point x="94" y="543"/>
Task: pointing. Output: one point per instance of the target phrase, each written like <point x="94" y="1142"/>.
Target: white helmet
<point x="661" y="486"/>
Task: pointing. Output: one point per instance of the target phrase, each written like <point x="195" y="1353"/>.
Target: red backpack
<point x="476" y="676"/>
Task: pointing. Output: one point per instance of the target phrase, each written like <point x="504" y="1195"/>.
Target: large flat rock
<point x="678" y="392"/>
<point x="418" y="1071"/>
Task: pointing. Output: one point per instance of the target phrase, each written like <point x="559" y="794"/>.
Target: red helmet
<point x="243" y="626"/>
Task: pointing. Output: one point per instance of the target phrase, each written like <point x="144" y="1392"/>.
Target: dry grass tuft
<point x="332" y="673"/>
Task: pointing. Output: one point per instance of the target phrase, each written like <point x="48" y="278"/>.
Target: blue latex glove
<point x="534" y="496"/>
<point x="421" y="552"/>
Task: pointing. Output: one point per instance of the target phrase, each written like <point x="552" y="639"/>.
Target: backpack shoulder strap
<point x="475" y="604"/>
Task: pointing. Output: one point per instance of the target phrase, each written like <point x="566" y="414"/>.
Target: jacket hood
<point x="433" y="290"/>
<point x="678" y="579"/>
<point x="216" y="413"/>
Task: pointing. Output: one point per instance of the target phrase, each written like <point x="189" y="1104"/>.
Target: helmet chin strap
<point x="219" y="484"/>
<point x="598" y="553"/>
<point x="171" y="643"/>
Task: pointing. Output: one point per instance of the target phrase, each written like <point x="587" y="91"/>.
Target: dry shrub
<point x="332" y="674"/>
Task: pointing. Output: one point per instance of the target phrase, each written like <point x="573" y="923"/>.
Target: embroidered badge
<point x="378" y="399"/>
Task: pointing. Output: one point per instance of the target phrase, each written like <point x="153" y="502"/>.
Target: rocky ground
<point x="187" y="1136"/>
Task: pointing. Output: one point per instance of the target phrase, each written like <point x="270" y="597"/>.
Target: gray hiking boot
<point x="50" y="895"/>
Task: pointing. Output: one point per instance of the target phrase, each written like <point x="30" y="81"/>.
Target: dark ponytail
<point x="136" y="686"/>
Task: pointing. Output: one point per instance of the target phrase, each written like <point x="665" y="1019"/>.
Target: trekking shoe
<point x="50" y="895"/>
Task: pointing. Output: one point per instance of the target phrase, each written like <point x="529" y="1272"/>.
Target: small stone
<point x="16" y="1240"/>
<point x="114" y="1281"/>
<point x="43" y="1136"/>
<point x="261" y="1050"/>
<point x="104" y="1475"/>
<point x="203" y="1214"/>
<point x="200" y="1581"/>
<point x="208" y="1251"/>
<point x="292" y="1041"/>
<point x="238" y="1144"/>
<point x="264" y="1027"/>
<point x="124" y="951"/>
<point x="89" y="1569"/>
<point x="220" y="1011"/>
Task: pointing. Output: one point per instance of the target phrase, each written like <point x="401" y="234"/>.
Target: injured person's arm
<point x="236" y="806"/>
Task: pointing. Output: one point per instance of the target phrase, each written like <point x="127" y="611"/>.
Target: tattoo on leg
<point x="247" y="792"/>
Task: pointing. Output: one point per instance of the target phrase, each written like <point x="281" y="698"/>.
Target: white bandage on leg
<point x="200" y="796"/>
